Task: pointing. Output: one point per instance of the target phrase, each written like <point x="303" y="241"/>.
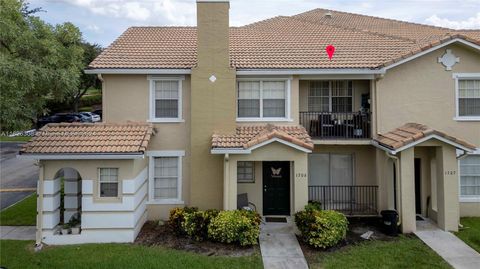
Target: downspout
<point x="397" y="184"/>
<point x="41" y="178"/>
<point x="226" y="181"/>
<point x="463" y="155"/>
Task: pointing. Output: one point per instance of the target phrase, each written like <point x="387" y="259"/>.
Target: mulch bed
<point x="356" y="227"/>
<point x="153" y="234"/>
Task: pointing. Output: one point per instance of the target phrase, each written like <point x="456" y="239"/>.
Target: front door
<point x="418" y="188"/>
<point x="276" y="188"/>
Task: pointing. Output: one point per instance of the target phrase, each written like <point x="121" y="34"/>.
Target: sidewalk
<point x="453" y="250"/>
<point x="280" y="248"/>
<point x="17" y="232"/>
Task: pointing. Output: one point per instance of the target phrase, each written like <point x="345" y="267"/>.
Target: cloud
<point x="170" y="12"/>
<point x="469" y="23"/>
<point x="94" y="28"/>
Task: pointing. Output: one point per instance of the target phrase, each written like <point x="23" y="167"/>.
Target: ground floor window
<point x="245" y="172"/>
<point x="470" y="177"/>
<point x="165" y="176"/>
<point x="108" y="182"/>
<point x="330" y="169"/>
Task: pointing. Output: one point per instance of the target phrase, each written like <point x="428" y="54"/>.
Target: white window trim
<point x="100" y="183"/>
<point x="458" y="76"/>
<point x="151" y="177"/>
<point x="466" y="198"/>
<point x="152" y="118"/>
<point x="287" y="118"/>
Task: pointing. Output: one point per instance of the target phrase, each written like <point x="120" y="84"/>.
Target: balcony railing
<point x="336" y="125"/>
<point x="350" y="200"/>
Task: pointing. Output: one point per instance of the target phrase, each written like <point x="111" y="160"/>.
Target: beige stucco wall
<point x="272" y="152"/>
<point x="422" y="91"/>
<point x="470" y="209"/>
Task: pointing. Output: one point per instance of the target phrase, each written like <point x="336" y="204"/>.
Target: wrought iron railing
<point x="336" y="125"/>
<point x="350" y="200"/>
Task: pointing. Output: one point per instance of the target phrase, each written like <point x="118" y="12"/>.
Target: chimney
<point x="213" y="33"/>
<point x="212" y="104"/>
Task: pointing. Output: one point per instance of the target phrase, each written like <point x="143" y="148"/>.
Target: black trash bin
<point x="390" y="220"/>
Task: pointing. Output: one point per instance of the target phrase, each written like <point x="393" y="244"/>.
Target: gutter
<point x="397" y="183"/>
<point x="97" y="156"/>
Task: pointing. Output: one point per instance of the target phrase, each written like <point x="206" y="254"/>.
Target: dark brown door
<point x="276" y="188"/>
<point x="418" y="188"/>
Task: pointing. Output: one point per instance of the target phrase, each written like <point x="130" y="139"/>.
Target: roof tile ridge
<point x="356" y="30"/>
<point x="376" y="17"/>
<point x="261" y="21"/>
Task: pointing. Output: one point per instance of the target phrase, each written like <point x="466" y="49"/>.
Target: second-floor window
<point x="165" y="99"/>
<point x="330" y="96"/>
<point x="262" y="99"/>
<point x="469" y="97"/>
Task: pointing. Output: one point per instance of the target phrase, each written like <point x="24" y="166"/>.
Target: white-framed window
<point x="470" y="178"/>
<point x="330" y="96"/>
<point x="165" y="177"/>
<point x="263" y="99"/>
<point x="108" y="182"/>
<point x="245" y="172"/>
<point x="467" y="96"/>
<point x="165" y="99"/>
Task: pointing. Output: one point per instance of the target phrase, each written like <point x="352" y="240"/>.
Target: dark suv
<point x="61" y="117"/>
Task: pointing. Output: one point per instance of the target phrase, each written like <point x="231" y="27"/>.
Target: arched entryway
<point x="70" y="204"/>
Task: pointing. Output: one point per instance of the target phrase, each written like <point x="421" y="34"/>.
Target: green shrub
<point x="321" y="229"/>
<point x="177" y="217"/>
<point x="89" y="100"/>
<point x="235" y="226"/>
<point x="196" y="223"/>
<point x="313" y="205"/>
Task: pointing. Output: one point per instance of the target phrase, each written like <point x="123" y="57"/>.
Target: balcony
<point x="337" y="125"/>
<point x="350" y="200"/>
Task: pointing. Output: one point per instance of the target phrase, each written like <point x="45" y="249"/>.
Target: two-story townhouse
<point x="196" y="116"/>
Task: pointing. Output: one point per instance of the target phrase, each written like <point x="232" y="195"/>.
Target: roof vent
<point x="328" y="14"/>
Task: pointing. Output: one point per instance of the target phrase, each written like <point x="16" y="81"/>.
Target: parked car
<point x="82" y="117"/>
<point x="57" y="118"/>
<point x="91" y="116"/>
<point x="98" y="112"/>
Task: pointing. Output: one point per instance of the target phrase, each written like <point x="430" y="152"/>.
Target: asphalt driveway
<point x="15" y="174"/>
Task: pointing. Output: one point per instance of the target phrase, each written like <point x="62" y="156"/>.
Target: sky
<point x="101" y="21"/>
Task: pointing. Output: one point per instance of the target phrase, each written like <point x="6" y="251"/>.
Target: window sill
<point x="165" y="202"/>
<point x="466" y="118"/>
<point x="264" y="120"/>
<point x="471" y="199"/>
<point x="173" y="120"/>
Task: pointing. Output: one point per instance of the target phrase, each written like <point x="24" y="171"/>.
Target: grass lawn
<point x="20" y="254"/>
<point x="15" y="138"/>
<point x="470" y="234"/>
<point x="403" y="252"/>
<point x="22" y="213"/>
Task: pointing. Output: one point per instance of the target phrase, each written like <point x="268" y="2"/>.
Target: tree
<point x="38" y="61"/>
<point x="90" y="52"/>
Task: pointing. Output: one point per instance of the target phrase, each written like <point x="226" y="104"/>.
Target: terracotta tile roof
<point x="89" y="138"/>
<point x="247" y="136"/>
<point x="420" y="33"/>
<point x="411" y="132"/>
<point x="283" y="42"/>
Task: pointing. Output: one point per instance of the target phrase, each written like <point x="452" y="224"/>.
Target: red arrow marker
<point x="330" y="51"/>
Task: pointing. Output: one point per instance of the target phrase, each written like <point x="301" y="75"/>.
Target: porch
<point x="335" y="109"/>
<point x="350" y="200"/>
